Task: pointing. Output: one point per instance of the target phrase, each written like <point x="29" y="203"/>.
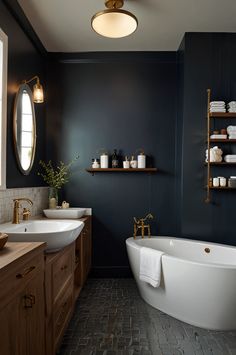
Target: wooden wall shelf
<point x="121" y="170"/>
<point x="222" y="188"/>
<point x="211" y="117"/>
<point x="223" y="163"/>
<point x="222" y="114"/>
<point x="222" y="140"/>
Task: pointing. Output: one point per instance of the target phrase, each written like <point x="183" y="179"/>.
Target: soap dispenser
<point x="104" y="160"/>
<point x="141" y="160"/>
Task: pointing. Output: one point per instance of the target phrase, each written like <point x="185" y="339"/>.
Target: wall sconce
<point x="38" y="96"/>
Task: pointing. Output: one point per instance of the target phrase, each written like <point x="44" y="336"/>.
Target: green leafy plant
<point x="56" y="177"/>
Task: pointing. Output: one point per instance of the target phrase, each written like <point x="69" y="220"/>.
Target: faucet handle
<point x="26" y="213"/>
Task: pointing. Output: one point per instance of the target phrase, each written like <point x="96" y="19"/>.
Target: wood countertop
<point x="14" y="251"/>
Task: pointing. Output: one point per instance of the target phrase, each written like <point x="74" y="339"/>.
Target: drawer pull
<point x="29" y="301"/>
<point x="26" y="272"/>
<point x="64" y="267"/>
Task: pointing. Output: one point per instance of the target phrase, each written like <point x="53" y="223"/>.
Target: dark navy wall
<point x="209" y="62"/>
<point x="123" y="103"/>
<point x="24" y="61"/>
<point x="126" y="101"/>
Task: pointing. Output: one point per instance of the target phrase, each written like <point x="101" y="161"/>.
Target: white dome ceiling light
<point x="114" y="22"/>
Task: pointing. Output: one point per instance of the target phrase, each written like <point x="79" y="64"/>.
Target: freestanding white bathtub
<point x="198" y="283"/>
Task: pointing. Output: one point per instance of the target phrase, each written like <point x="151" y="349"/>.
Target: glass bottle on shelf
<point x="114" y="160"/>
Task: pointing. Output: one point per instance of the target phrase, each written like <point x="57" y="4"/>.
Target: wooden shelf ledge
<point x="222" y="140"/>
<point x="224" y="163"/>
<point x="119" y="170"/>
<point x="222" y="188"/>
<point x="223" y="114"/>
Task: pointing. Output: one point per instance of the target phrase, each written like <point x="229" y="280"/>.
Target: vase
<point x="53" y="197"/>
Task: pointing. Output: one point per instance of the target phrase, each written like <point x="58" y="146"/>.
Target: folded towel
<point x="232" y="103"/>
<point x="232" y="136"/>
<point x="218" y="106"/>
<point x="150" y="266"/>
<point x="218" y="136"/>
<point x="230" y="156"/>
<point x="231" y="129"/>
<point x="232" y="110"/>
<point x="230" y="160"/>
<point x="217" y="103"/>
<point x="223" y="110"/>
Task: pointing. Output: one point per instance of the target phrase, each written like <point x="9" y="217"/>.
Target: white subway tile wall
<point x="39" y="196"/>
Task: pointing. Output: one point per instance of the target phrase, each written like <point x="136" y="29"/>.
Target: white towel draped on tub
<point x="150" y="266"/>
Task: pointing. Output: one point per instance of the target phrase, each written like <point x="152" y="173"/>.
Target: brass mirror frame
<point x="18" y="96"/>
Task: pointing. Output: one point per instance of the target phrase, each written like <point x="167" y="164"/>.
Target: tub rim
<point x="132" y="242"/>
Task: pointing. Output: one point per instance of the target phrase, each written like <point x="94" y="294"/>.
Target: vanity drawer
<point x="18" y="277"/>
<point x="62" y="312"/>
<point x="63" y="269"/>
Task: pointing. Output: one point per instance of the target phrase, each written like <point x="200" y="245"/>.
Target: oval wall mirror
<point x="24" y="129"/>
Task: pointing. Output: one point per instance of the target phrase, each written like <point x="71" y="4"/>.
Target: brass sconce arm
<point x="29" y="81"/>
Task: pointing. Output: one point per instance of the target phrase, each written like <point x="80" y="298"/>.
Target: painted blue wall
<point x="24" y="62"/>
<point x="123" y="102"/>
<point x="156" y="101"/>
<point x="209" y="62"/>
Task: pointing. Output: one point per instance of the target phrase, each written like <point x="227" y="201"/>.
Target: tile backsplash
<point x="39" y="196"/>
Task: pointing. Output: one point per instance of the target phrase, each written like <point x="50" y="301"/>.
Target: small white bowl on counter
<point x="63" y="213"/>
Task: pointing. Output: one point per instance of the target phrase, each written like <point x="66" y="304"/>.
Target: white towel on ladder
<point x="150" y="266"/>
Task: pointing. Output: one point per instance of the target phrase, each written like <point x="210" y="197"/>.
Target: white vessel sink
<point x="56" y="233"/>
<point x="64" y="212"/>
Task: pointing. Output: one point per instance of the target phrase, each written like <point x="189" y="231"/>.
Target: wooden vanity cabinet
<point x="83" y="256"/>
<point x="65" y="273"/>
<point x="22" y="299"/>
<point x="59" y="294"/>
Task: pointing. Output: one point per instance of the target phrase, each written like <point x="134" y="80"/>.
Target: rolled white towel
<point x="232" y="136"/>
<point x="232" y="103"/>
<point x="232" y="110"/>
<point x="150" y="266"/>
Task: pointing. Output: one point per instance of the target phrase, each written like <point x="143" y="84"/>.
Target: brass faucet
<point x="16" y="209"/>
<point x="139" y="224"/>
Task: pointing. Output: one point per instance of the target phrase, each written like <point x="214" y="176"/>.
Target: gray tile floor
<point x="111" y="319"/>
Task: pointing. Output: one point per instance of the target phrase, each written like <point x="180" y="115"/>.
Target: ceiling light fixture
<point x="114" y="22"/>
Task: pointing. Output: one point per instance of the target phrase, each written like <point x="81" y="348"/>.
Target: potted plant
<point x="55" y="177"/>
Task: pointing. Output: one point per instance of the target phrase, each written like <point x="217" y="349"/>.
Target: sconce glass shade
<point x="38" y="96"/>
<point x="114" y="23"/>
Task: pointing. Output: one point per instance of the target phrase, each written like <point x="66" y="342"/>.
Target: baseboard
<point x="111" y="272"/>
